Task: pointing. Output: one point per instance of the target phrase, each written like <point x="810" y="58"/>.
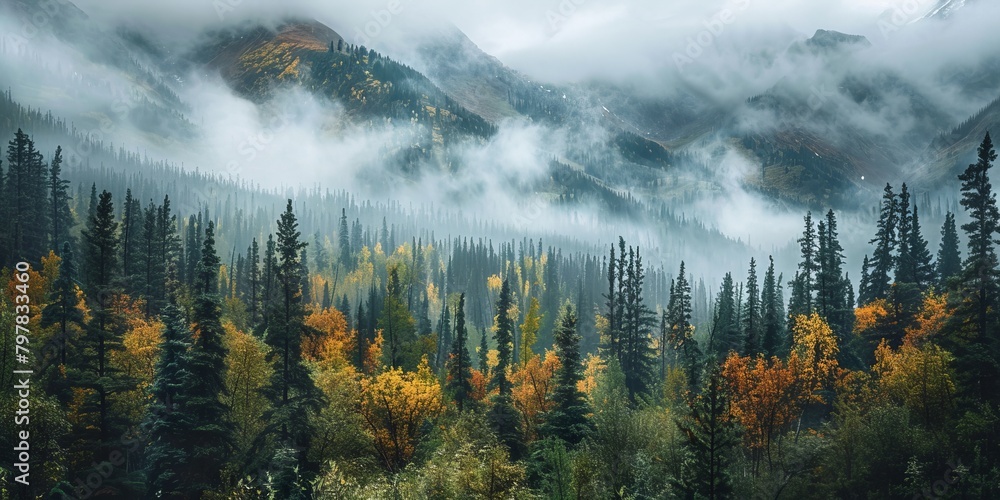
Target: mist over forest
<point x="558" y="249"/>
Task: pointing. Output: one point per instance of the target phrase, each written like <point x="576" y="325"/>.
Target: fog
<point x="679" y="54"/>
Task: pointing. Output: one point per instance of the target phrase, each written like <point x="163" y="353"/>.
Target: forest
<point x="244" y="344"/>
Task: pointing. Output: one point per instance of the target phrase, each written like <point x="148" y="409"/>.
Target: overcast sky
<point x="554" y="40"/>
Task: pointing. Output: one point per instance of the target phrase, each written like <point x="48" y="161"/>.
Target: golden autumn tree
<point x="767" y="396"/>
<point x="137" y="358"/>
<point x="532" y="390"/>
<point x="920" y="378"/>
<point x="529" y="331"/>
<point x="815" y="362"/>
<point x="247" y="373"/>
<point x="395" y="404"/>
<point x="929" y="321"/>
<point x="332" y="343"/>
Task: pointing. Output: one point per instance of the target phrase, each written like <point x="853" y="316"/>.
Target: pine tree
<point x="398" y="326"/>
<point x="725" y="326"/>
<point x="568" y="418"/>
<point x="343" y="241"/>
<point x="681" y="331"/>
<point x="444" y="336"/>
<point x="882" y="260"/>
<point x="458" y="383"/>
<point x="976" y="332"/>
<point x="711" y="435"/>
<point x="921" y="270"/>
<point x="751" y="320"/>
<point x="60" y="215"/>
<point x="865" y="285"/>
<point x="638" y="357"/>
<point x="504" y="337"/>
<point x="949" y="259"/>
<point x="809" y="265"/>
<point x="63" y="309"/>
<point x="169" y="423"/>
<point x="830" y="300"/>
<point x="211" y="439"/>
<point x="771" y="313"/>
<point x="292" y="392"/>
<point x="253" y="283"/>
<point x="503" y="417"/>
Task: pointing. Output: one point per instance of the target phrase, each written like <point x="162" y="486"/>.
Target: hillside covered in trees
<point x="241" y="343"/>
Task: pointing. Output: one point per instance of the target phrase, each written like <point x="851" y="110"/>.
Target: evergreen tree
<point x="771" y="313"/>
<point x="725" y="326"/>
<point x="458" y="383"/>
<point x="711" y="435"/>
<point x="398" y="326"/>
<point x="976" y="332"/>
<point x="253" y="283"/>
<point x="752" y="313"/>
<point x="169" y="424"/>
<point x="638" y="358"/>
<point x="503" y="417"/>
<point x="60" y="215"/>
<point x="568" y="418"/>
<point x="292" y="392"/>
<point x="63" y="308"/>
<point x="949" y="259"/>
<point x="681" y="331"/>
<point x="809" y="265"/>
<point x="211" y="438"/>
<point x="882" y="260"/>
<point x="444" y="336"/>
<point x="344" y="242"/>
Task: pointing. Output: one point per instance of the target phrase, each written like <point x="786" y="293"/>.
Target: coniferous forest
<point x="310" y="250"/>
<point x="300" y="352"/>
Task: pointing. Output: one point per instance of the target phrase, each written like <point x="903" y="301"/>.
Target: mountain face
<point x="831" y="126"/>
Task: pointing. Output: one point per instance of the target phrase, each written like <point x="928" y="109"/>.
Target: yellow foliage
<point x="247" y="373"/>
<point x="929" y="321"/>
<point x="815" y="348"/>
<point x="766" y="395"/>
<point x="395" y="404"/>
<point x="532" y="389"/>
<point x="593" y="367"/>
<point x="870" y="316"/>
<point x="137" y="360"/>
<point x="918" y="377"/>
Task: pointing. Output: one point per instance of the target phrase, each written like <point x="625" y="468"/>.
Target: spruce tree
<point x="62" y="311"/>
<point x="503" y="417"/>
<point x="60" y="215"/>
<point x="976" y="333"/>
<point x="169" y="423"/>
<point x="292" y="392"/>
<point x="458" y="383"/>
<point x="882" y="261"/>
<point x="771" y="313"/>
<point x="568" y="418"/>
<point x="751" y="320"/>
<point x="711" y="435"/>
<point x="211" y="438"/>
<point x="949" y="258"/>
<point x="809" y="265"/>
<point x="398" y="326"/>
<point x="724" y="336"/>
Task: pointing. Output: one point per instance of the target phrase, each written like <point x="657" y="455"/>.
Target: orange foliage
<point x="373" y="354"/>
<point x="766" y="395"/>
<point x="395" y="404"/>
<point x="929" y="321"/>
<point x="479" y="384"/>
<point x="332" y="346"/>
<point x="532" y="388"/>
<point x="870" y="316"/>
